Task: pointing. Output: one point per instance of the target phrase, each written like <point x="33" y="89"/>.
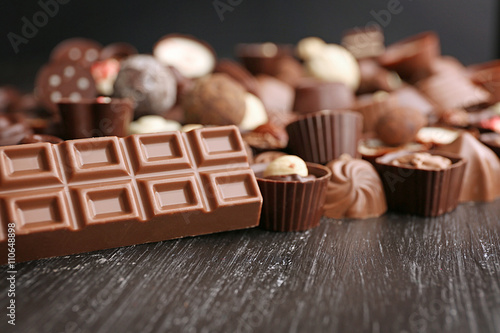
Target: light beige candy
<point x="310" y="47"/>
<point x="190" y="127"/>
<point x="255" y="113"/>
<point x="287" y="165"/>
<point x="153" y="124"/>
<point x="190" y="57"/>
<point x="335" y="64"/>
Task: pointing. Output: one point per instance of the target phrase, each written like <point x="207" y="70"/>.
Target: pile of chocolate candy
<point x="401" y="127"/>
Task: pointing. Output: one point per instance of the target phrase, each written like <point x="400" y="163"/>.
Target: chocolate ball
<point x="399" y="126"/>
<point x="215" y="100"/>
<point x="148" y="83"/>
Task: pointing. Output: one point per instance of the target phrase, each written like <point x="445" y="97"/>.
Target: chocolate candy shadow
<point x="96" y="117"/>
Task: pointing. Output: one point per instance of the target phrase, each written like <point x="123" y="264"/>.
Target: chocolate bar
<point x="90" y="194"/>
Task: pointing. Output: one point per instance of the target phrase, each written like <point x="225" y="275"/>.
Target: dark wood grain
<point x="392" y="274"/>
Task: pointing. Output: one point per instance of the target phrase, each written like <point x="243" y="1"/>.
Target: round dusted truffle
<point x="215" y="100"/>
<point x="354" y="190"/>
<point x="148" y="83"/>
<point x="399" y="126"/>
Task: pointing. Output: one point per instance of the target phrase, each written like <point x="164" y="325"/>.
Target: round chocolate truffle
<point x="354" y="190"/>
<point x="399" y="126"/>
<point x="215" y="100"/>
<point x="148" y="83"/>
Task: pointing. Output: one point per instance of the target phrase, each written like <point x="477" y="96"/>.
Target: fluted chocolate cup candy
<point x="292" y="205"/>
<point x="323" y="136"/>
<point x="421" y="189"/>
<point x="354" y="190"/>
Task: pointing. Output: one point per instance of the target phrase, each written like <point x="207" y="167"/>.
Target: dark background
<point x="467" y="28"/>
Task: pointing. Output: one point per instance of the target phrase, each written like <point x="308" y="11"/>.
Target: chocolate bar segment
<point x="90" y="194"/>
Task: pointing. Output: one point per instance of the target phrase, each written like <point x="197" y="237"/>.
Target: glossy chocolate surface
<point x="95" y="118"/>
<point x="417" y="191"/>
<point x="91" y="194"/>
<point x="314" y="95"/>
<point x="289" y="204"/>
<point x="354" y="190"/>
<point x="323" y="136"/>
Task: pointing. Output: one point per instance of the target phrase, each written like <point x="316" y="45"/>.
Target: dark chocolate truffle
<point x="148" y="83"/>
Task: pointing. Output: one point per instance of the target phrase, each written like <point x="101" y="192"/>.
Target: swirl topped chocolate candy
<point x="354" y="190"/>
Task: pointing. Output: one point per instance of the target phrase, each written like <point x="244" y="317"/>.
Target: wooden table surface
<point x="393" y="274"/>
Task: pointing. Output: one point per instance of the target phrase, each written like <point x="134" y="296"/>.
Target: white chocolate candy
<point x="153" y="124"/>
<point x="255" y="113"/>
<point x="190" y="127"/>
<point x="335" y="64"/>
<point x="287" y="165"/>
<point x="437" y="135"/>
<point x="310" y="47"/>
<point x="190" y="57"/>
